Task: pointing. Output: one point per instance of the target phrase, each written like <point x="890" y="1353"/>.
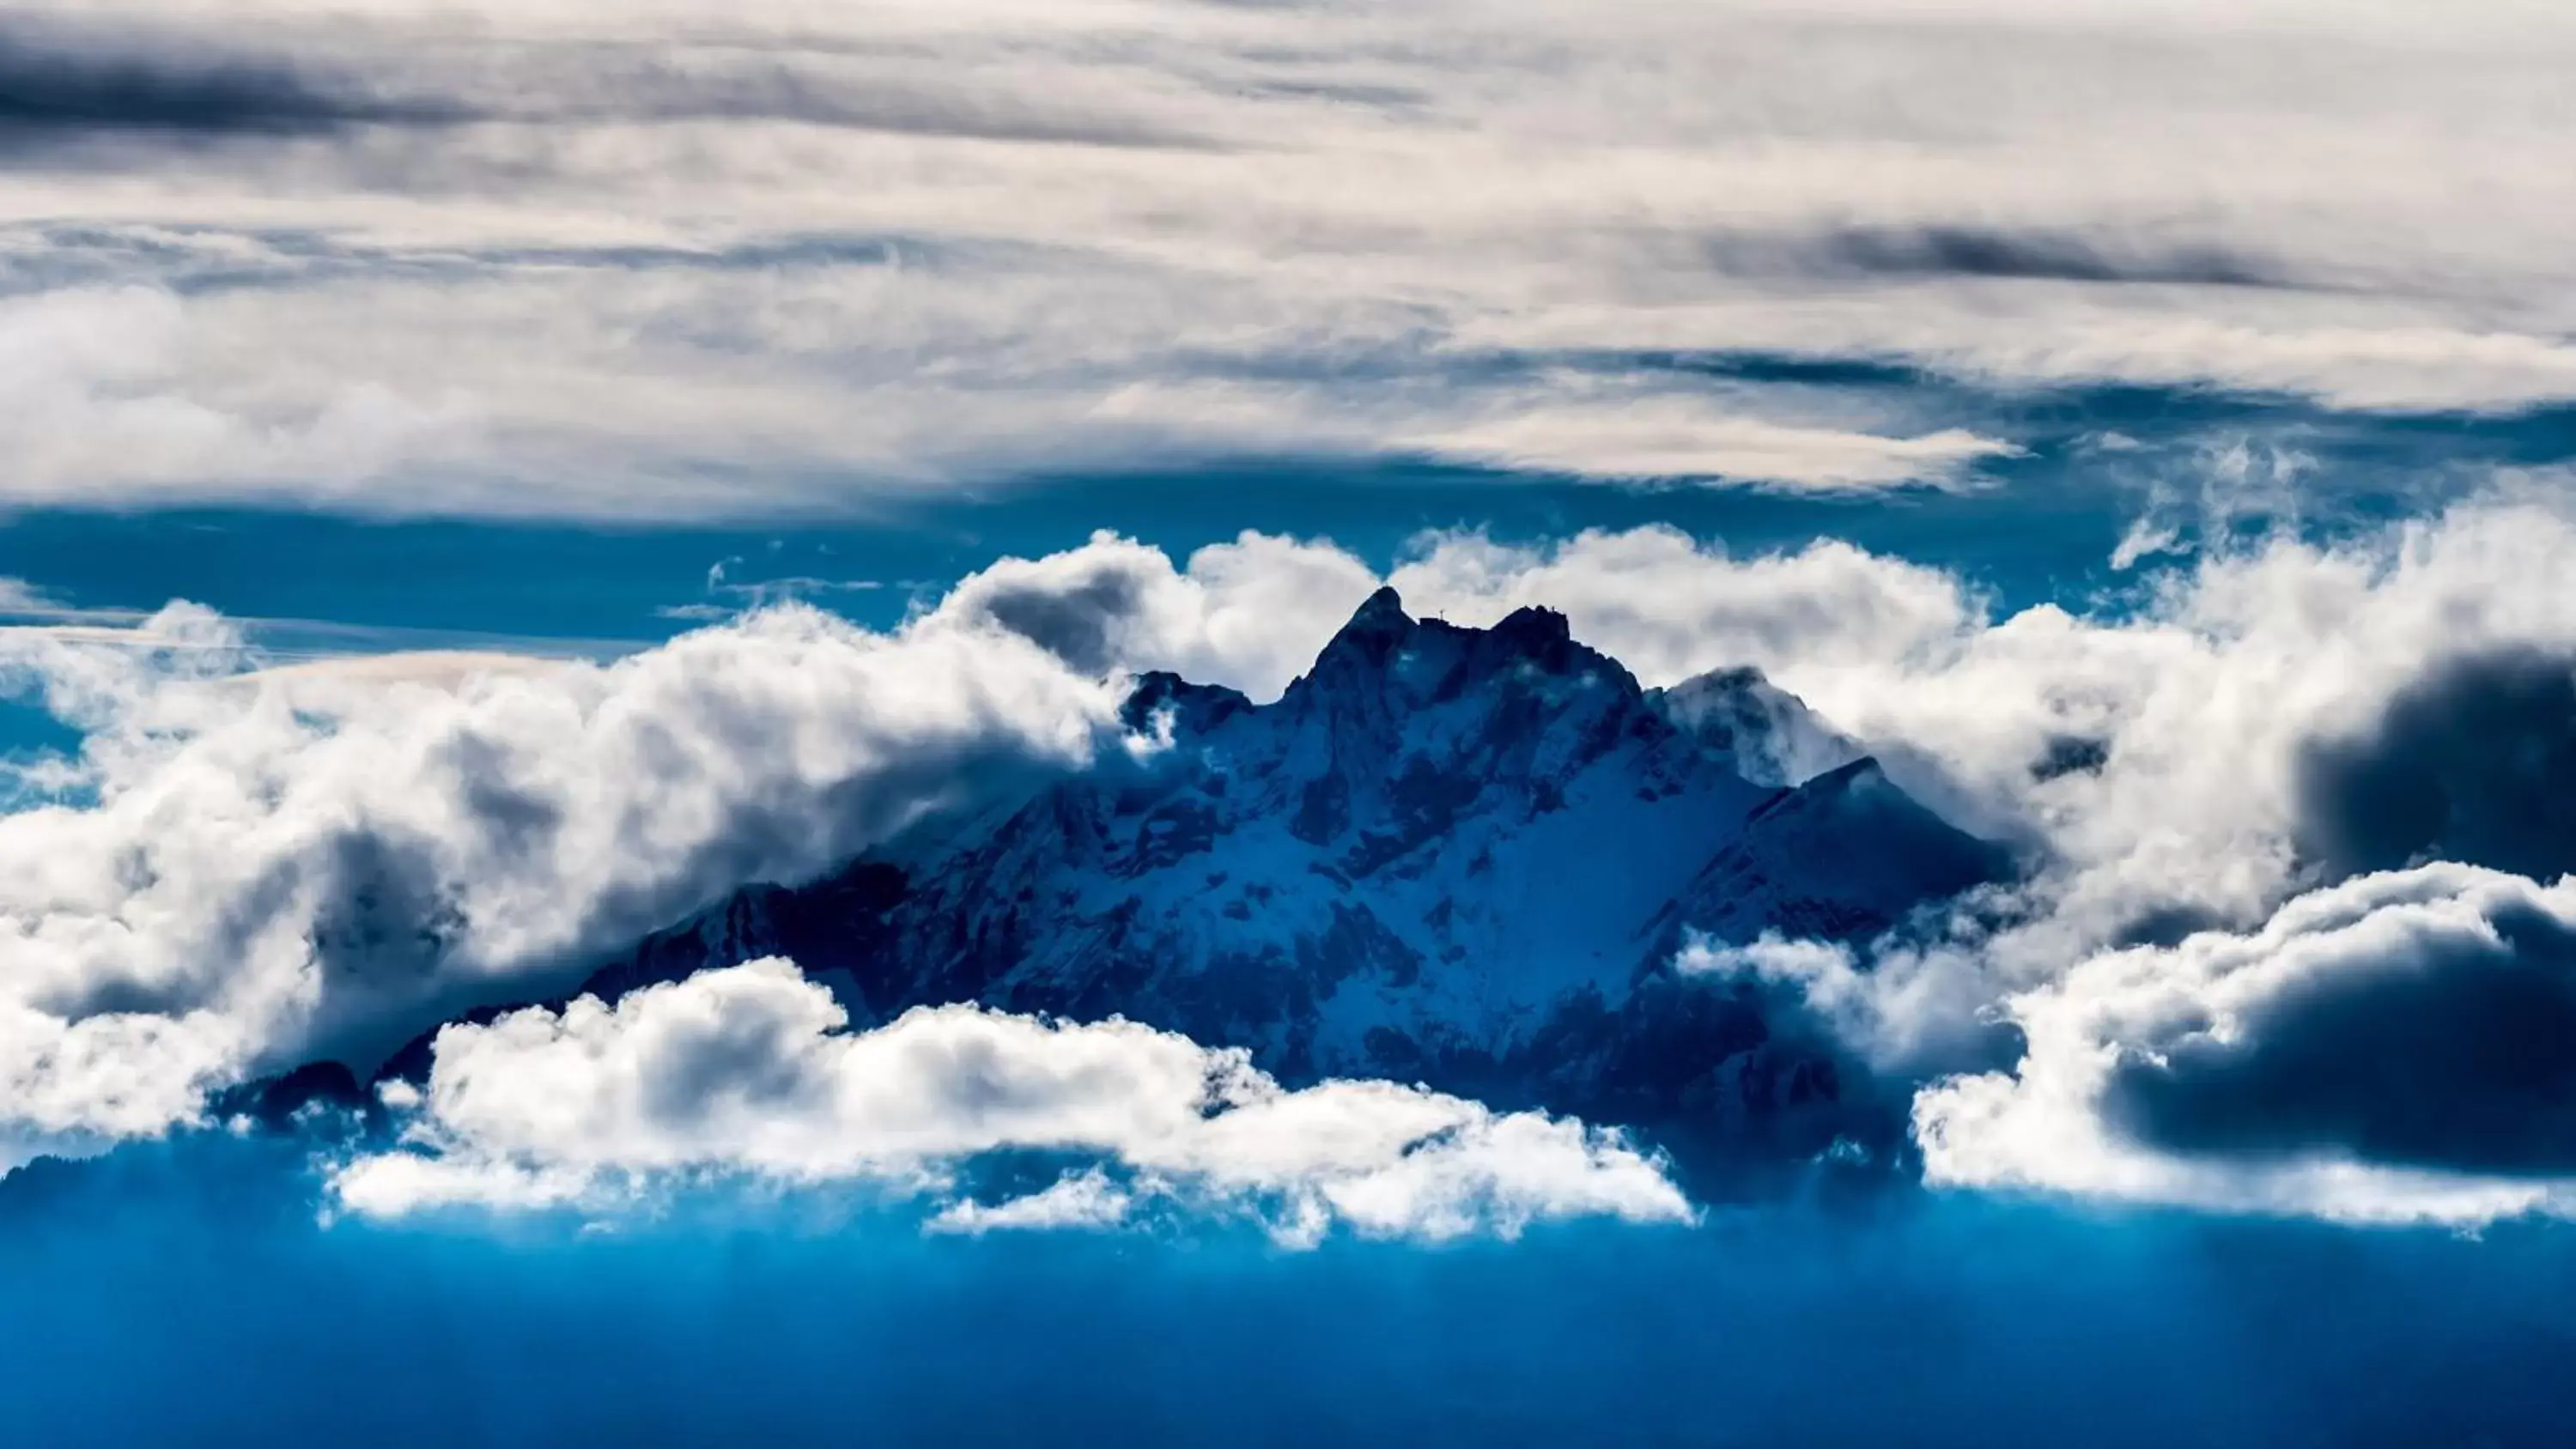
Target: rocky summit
<point x="1464" y="857"/>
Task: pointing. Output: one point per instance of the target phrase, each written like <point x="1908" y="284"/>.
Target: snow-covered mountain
<point x="1459" y="856"/>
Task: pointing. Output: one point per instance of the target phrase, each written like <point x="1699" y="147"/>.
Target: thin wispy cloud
<point x="573" y="259"/>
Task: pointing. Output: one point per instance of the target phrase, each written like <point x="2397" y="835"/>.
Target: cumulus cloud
<point x="1670" y="606"/>
<point x="2475" y="761"/>
<point x="1078" y="1200"/>
<point x="750" y="1072"/>
<point x="2238" y="729"/>
<point x="268" y="866"/>
<point x="2251" y="730"/>
<point x="370" y="844"/>
<point x="23" y="604"/>
<point x="2262" y="721"/>
<point x="247" y="867"/>
<point x="1251" y="614"/>
<point x="2398" y="1048"/>
<point x="1901" y="1008"/>
<point x="2270" y="723"/>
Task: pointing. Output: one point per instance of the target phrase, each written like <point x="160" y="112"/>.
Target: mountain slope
<point x="1459" y="856"/>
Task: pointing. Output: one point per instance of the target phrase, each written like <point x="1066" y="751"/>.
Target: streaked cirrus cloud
<point x="582" y="259"/>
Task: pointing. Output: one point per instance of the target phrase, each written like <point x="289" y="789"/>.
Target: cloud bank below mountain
<point x="748" y="1073"/>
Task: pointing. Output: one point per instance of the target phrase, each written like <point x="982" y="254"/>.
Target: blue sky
<point x="2045" y="526"/>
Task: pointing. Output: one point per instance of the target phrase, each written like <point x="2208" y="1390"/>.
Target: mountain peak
<point x="1381" y="614"/>
<point x="1194" y="708"/>
<point x="1767" y="733"/>
<point x="1455" y="855"/>
<point x="1718" y="683"/>
<point x="1365" y="645"/>
<point x="1533" y="630"/>
<point x="1426" y="661"/>
<point x="1849" y="778"/>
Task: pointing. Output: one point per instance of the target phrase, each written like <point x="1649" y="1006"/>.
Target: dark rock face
<point x="326" y="1086"/>
<point x="1457" y="856"/>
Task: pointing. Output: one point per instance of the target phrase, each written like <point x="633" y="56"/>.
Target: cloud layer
<point x="2255" y="731"/>
<point x="251" y="869"/>
<point x="749" y="1072"/>
<point x="578" y="258"/>
<point x="2399" y="1048"/>
<point x="2201" y="777"/>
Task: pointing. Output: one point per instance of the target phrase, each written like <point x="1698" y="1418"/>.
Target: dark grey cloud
<point x="65" y="86"/>
<point x="56" y="89"/>
<point x="1076" y="623"/>
<point x="2475" y="763"/>
<point x="1978" y="252"/>
<point x="2449" y="1048"/>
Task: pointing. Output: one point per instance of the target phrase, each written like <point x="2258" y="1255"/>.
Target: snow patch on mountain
<point x="1465" y="857"/>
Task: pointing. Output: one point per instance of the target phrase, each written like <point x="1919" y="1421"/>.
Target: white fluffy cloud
<point x="367" y="847"/>
<point x="2260" y="724"/>
<point x="2160" y="755"/>
<point x="1253" y="613"/>
<point x="2400" y="1048"/>
<point x="1086" y="1199"/>
<point x="245" y="869"/>
<point x="1669" y="606"/>
<point x="1250" y="614"/>
<point x="395" y="259"/>
<point x="749" y="1072"/>
<point x="255" y="867"/>
<point x="1901" y="1008"/>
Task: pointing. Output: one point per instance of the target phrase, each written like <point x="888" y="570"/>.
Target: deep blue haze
<point x="187" y="1296"/>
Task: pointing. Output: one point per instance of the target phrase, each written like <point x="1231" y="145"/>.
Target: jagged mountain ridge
<point x="1459" y="856"/>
